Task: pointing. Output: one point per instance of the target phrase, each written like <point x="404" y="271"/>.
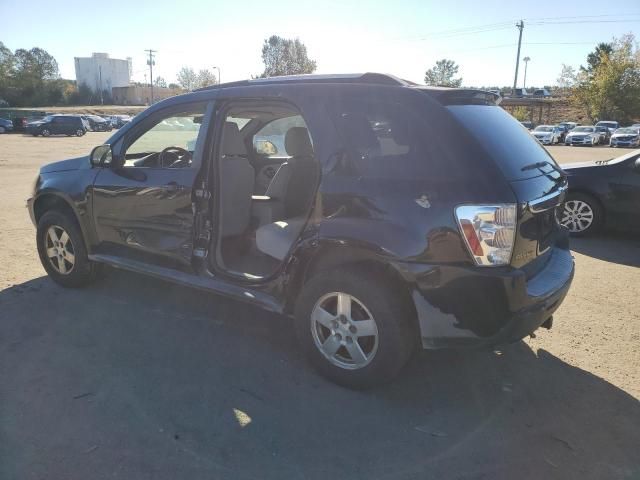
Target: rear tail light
<point x="489" y="232"/>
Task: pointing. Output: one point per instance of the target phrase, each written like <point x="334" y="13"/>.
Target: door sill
<point x="210" y="284"/>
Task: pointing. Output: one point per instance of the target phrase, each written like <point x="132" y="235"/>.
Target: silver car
<point x="583" y="135"/>
<point x="625" y="137"/>
<point x="547" y="134"/>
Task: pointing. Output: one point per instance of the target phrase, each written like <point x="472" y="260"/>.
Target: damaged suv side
<point x="379" y="214"/>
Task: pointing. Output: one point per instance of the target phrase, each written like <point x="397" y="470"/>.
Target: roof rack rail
<point x="369" y="77"/>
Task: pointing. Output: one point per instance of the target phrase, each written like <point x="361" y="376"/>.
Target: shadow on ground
<point x="137" y="378"/>
<point x="616" y="247"/>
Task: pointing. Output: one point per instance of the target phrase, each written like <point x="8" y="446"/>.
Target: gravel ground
<point x="137" y="378"/>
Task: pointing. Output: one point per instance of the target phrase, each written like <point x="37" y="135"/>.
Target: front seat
<point x="237" y="178"/>
<point x="275" y="239"/>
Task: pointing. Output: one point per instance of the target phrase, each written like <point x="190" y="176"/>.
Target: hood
<point x="542" y="134"/>
<point x="574" y="134"/>
<point x="617" y="135"/>
<point x="65" y="165"/>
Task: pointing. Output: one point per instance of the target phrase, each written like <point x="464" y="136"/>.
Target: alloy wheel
<point x="46" y="133"/>
<point x="79" y="133"/>
<point x="577" y="216"/>
<point x="344" y="330"/>
<point x="60" y="251"/>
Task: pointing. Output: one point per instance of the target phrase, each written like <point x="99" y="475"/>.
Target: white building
<point x="99" y="72"/>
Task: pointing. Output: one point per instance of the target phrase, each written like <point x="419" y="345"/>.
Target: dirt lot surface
<point x="134" y="378"/>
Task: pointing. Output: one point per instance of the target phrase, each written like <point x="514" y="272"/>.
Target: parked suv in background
<point x="379" y="214"/>
<point x="58" y="125"/>
<point x="98" y="124"/>
<point x="611" y="125"/>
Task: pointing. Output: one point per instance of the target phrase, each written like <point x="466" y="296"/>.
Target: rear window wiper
<point x="545" y="163"/>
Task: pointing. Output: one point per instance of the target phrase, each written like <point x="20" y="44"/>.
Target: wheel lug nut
<point x="338" y="336"/>
<point x="349" y="340"/>
<point x="334" y="324"/>
<point x="353" y="329"/>
<point x="343" y="319"/>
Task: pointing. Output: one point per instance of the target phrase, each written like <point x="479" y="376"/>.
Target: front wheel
<point x="355" y="327"/>
<point x="581" y="214"/>
<point x="79" y="132"/>
<point x="62" y="251"/>
<point x="45" y="132"/>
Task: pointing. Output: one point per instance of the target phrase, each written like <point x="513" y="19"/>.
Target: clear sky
<point x="392" y="36"/>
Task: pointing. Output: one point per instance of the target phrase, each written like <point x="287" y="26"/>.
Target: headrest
<point x="232" y="143"/>
<point x="358" y="132"/>
<point x="297" y="142"/>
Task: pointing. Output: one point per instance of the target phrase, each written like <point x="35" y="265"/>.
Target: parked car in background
<point x="98" y="124"/>
<point x="583" y="135"/>
<point x="569" y="125"/>
<point x="370" y="260"/>
<point x="605" y="134"/>
<point x="520" y="92"/>
<point x="636" y="125"/>
<point x="563" y="131"/>
<point x="6" y="125"/>
<point x="547" y="134"/>
<point x="527" y="124"/>
<point x="625" y="137"/>
<point x="58" y="125"/>
<point x="541" y="92"/>
<point x="611" y="125"/>
<point x="603" y="193"/>
<point x="118" y="121"/>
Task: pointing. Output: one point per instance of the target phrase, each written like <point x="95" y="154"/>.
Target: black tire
<point x="596" y="208"/>
<point x="389" y="307"/>
<point x="83" y="271"/>
<point x="45" y="132"/>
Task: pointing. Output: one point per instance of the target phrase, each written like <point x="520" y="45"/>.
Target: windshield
<point x="584" y="129"/>
<point x="543" y="129"/>
<point x="633" y="131"/>
<point x="607" y="124"/>
<point x="510" y="146"/>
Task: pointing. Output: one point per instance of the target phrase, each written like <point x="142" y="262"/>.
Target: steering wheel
<point x="179" y="154"/>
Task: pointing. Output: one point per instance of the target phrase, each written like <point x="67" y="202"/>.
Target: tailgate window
<point x="509" y="144"/>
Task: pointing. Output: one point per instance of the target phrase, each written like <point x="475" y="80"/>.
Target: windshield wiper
<point x="546" y="163"/>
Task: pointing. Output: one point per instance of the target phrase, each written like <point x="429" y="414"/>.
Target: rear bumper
<point x="464" y="307"/>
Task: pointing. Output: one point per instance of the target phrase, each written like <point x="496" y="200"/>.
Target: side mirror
<point x="265" y="147"/>
<point x="101" y="155"/>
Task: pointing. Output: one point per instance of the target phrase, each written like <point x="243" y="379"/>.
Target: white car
<point x="625" y="137"/>
<point x="583" y="135"/>
<point x="547" y="134"/>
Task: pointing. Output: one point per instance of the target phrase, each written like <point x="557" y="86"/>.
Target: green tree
<point x="283" y="56"/>
<point x="611" y="90"/>
<point x="603" y="50"/>
<point x="187" y="78"/>
<point x="442" y="74"/>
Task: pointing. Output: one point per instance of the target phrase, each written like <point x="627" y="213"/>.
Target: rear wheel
<point x="79" y="132"/>
<point x="62" y="251"/>
<point x="45" y="132"/>
<point x="581" y="214"/>
<point x="354" y="327"/>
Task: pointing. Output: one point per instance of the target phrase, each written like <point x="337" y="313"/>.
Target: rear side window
<point x="504" y="139"/>
<point x="392" y="140"/>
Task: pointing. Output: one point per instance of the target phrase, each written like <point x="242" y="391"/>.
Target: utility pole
<point x="151" y="62"/>
<point x="526" y="64"/>
<point x="219" y="81"/>
<point x="101" y="99"/>
<point x="520" y="27"/>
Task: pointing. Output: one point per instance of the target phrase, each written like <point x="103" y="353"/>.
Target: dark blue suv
<point x="380" y="215"/>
